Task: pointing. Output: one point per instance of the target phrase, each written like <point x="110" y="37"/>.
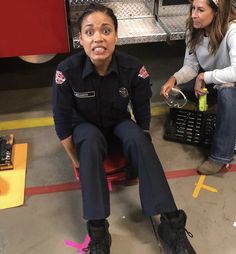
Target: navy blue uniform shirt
<point x="80" y="94"/>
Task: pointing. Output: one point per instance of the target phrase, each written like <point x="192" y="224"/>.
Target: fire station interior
<point x="41" y="204"/>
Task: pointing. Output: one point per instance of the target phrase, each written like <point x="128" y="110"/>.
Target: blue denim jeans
<point x="222" y="148"/>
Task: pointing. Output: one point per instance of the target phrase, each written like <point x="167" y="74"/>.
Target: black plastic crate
<point x="190" y="127"/>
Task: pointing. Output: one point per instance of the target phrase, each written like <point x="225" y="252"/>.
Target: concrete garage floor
<point x="47" y="219"/>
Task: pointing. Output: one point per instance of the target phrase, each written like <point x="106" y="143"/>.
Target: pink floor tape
<point x="110" y="186"/>
<point x="79" y="246"/>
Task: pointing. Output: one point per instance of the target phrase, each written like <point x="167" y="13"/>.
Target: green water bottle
<point x="203" y="101"/>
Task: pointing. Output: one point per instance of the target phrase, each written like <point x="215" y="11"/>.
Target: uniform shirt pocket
<point x="86" y="101"/>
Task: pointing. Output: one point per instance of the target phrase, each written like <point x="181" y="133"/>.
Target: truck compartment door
<point x="33" y="27"/>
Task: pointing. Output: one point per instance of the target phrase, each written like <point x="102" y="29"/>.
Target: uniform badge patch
<point x="123" y="92"/>
<point x="143" y="73"/>
<point x="59" y="78"/>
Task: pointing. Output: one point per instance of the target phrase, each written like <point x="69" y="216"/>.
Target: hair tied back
<point x="215" y="2"/>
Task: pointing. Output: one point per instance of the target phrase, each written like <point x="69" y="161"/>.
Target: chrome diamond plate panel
<point x="173" y="10"/>
<point x="133" y="31"/>
<point x="136" y="21"/>
<point x="173" y="19"/>
<point x="140" y="30"/>
<point x="132" y="9"/>
<point x="174" y="26"/>
<point x="234" y="3"/>
<point x="122" y="9"/>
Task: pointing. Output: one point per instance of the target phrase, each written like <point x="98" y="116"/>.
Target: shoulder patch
<point x="143" y="73"/>
<point x="59" y="78"/>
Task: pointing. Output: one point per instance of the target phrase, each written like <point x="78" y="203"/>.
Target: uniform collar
<point x="89" y="67"/>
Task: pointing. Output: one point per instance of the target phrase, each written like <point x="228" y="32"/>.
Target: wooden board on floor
<point x="12" y="182"/>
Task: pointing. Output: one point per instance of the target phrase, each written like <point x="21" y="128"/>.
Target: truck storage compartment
<point x="172" y="15"/>
<point x="137" y="21"/>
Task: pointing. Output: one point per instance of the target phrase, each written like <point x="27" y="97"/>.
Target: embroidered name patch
<point x="59" y="78"/>
<point x="143" y="73"/>
<point x="82" y="95"/>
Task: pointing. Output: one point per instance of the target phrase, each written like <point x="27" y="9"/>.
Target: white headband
<point x="215" y="2"/>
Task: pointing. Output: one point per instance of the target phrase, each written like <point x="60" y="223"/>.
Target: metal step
<point x="175" y="26"/>
<point x="132" y="9"/>
<point x="121" y="8"/>
<point x="132" y="31"/>
<point x="173" y="18"/>
<point x="136" y="22"/>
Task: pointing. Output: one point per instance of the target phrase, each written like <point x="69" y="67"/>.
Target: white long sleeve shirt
<point x="220" y="68"/>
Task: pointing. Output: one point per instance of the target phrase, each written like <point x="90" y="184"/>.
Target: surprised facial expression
<point x="98" y="37"/>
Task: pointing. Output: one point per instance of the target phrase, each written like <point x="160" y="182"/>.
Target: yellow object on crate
<point x="203" y="101"/>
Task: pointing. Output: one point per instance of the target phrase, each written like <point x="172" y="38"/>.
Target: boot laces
<point x="181" y="241"/>
<point x="95" y="246"/>
<point x="188" y="233"/>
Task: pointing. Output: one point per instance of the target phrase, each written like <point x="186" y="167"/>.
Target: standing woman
<point x="210" y="61"/>
<point x="91" y="93"/>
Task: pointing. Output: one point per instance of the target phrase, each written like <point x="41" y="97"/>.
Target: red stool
<point x="114" y="166"/>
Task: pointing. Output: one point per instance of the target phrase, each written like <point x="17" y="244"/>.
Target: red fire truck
<point x="36" y="30"/>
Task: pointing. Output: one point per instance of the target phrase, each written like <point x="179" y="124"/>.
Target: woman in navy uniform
<point x="91" y="93"/>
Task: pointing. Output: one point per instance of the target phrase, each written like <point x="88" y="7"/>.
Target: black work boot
<point x="172" y="234"/>
<point x="100" y="242"/>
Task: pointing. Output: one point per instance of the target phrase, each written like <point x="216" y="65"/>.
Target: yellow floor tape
<point x="26" y="123"/>
<point x="48" y="121"/>
<point x="12" y="182"/>
<point x="200" y="185"/>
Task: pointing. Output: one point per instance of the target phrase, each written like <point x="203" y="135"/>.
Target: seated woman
<point x="210" y="59"/>
<point x="91" y="93"/>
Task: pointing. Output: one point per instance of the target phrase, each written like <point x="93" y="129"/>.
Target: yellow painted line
<point x="48" y="121"/>
<point x="26" y="123"/>
<point x="157" y="111"/>
<point x="161" y="110"/>
<point x="200" y="186"/>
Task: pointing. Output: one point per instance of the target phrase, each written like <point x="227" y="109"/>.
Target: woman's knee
<point x="88" y="132"/>
<point x="132" y="135"/>
<point x="227" y="97"/>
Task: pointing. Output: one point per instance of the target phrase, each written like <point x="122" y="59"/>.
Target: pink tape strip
<point x="78" y="246"/>
<point x="110" y="186"/>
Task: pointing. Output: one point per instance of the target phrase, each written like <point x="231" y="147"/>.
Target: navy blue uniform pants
<point x="91" y="146"/>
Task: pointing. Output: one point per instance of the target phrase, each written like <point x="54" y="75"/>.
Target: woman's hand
<point x="199" y="84"/>
<point x="69" y="146"/>
<point x="165" y="89"/>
